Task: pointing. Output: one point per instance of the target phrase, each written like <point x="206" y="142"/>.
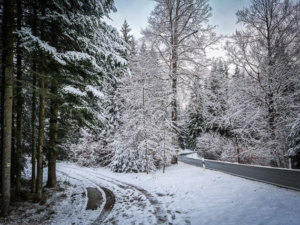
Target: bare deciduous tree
<point x="176" y="31"/>
<point x="268" y="51"/>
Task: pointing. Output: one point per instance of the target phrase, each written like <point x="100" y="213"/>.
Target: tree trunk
<point x="1" y="109"/>
<point x="52" y="154"/>
<point x="145" y="132"/>
<point x="33" y="118"/>
<point x="1" y="113"/>
<point x="39" y="180"/>
<point x="2" y="89"/>
<point x="8" y="28"/>
<point x="237" y="149"/>
<point x="271" y="111"/>
<point x="33" y="134"/>
<point x="19" y="101"/>
<point x="13" y="167"/>
<point x="270" y="94"/>
<point x="174" y="113"/>
<point x="174" y="120"/>
<point x="165" y="127"/>
<point x="53" y="137"/>
<point x="271" y="120"/>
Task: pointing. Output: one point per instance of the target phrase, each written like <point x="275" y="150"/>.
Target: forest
<point x="74" y="88"/>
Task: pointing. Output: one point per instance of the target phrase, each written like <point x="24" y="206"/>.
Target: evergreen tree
<point x="216" y="97"/>
<point x="142" y="142"/>
<point x="72" y="60"/>
<point x="125" y="30"/>
<point x="194" y="124"/>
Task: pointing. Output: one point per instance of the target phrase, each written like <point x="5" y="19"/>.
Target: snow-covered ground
<point x="185" y="194"/>
<point x="186" y="151"/>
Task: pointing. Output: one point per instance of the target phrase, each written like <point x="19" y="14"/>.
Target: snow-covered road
<point x="185" y="195"/>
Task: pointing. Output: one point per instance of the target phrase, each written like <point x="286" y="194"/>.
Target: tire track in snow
<point x="109" y="204"/>
<point x="137" y="200"/>
<point x="160" y="213"/>
<point x="109" y="199"/>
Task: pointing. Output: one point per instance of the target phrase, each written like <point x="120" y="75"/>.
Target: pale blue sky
<point x="137" y="12"/>
<point x="223" y="14"/>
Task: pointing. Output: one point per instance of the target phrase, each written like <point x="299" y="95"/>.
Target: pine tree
<point x="72" y="60"/>
<point x="125" y="30"/>
<point x="195" y="121"/>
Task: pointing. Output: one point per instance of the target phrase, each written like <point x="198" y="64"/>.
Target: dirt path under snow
<point x="109" y="204"/>
<point x="95" y="199"/>
<point x="124" y="202"/>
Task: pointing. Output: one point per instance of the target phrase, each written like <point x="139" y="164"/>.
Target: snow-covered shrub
<point x="212" y="145"/>
<point x="129" y="158"/>
<point x="294" y="139"/>
<point x="294" y="143"/>
<point x="89" y="151"/>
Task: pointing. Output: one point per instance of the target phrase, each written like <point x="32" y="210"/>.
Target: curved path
<point x="159" y="212"/>
<point x="109" y="197"/>
<point x="130" y="204"/>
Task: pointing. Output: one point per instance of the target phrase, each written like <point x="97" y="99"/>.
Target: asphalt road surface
<point x="280" y="177"/>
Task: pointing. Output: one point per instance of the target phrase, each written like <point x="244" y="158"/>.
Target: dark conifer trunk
<point x="33" y="116"/>
<point x="13" y="168"/>
<point x="2" y="85"/>
<point x="53" y="137"/>
<point x="8" y="28"/>
<point x="19" y="100"/>
<point x="33" y="134"/>
<point x="53" y="134"/>
<point x="39" y="180"/>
